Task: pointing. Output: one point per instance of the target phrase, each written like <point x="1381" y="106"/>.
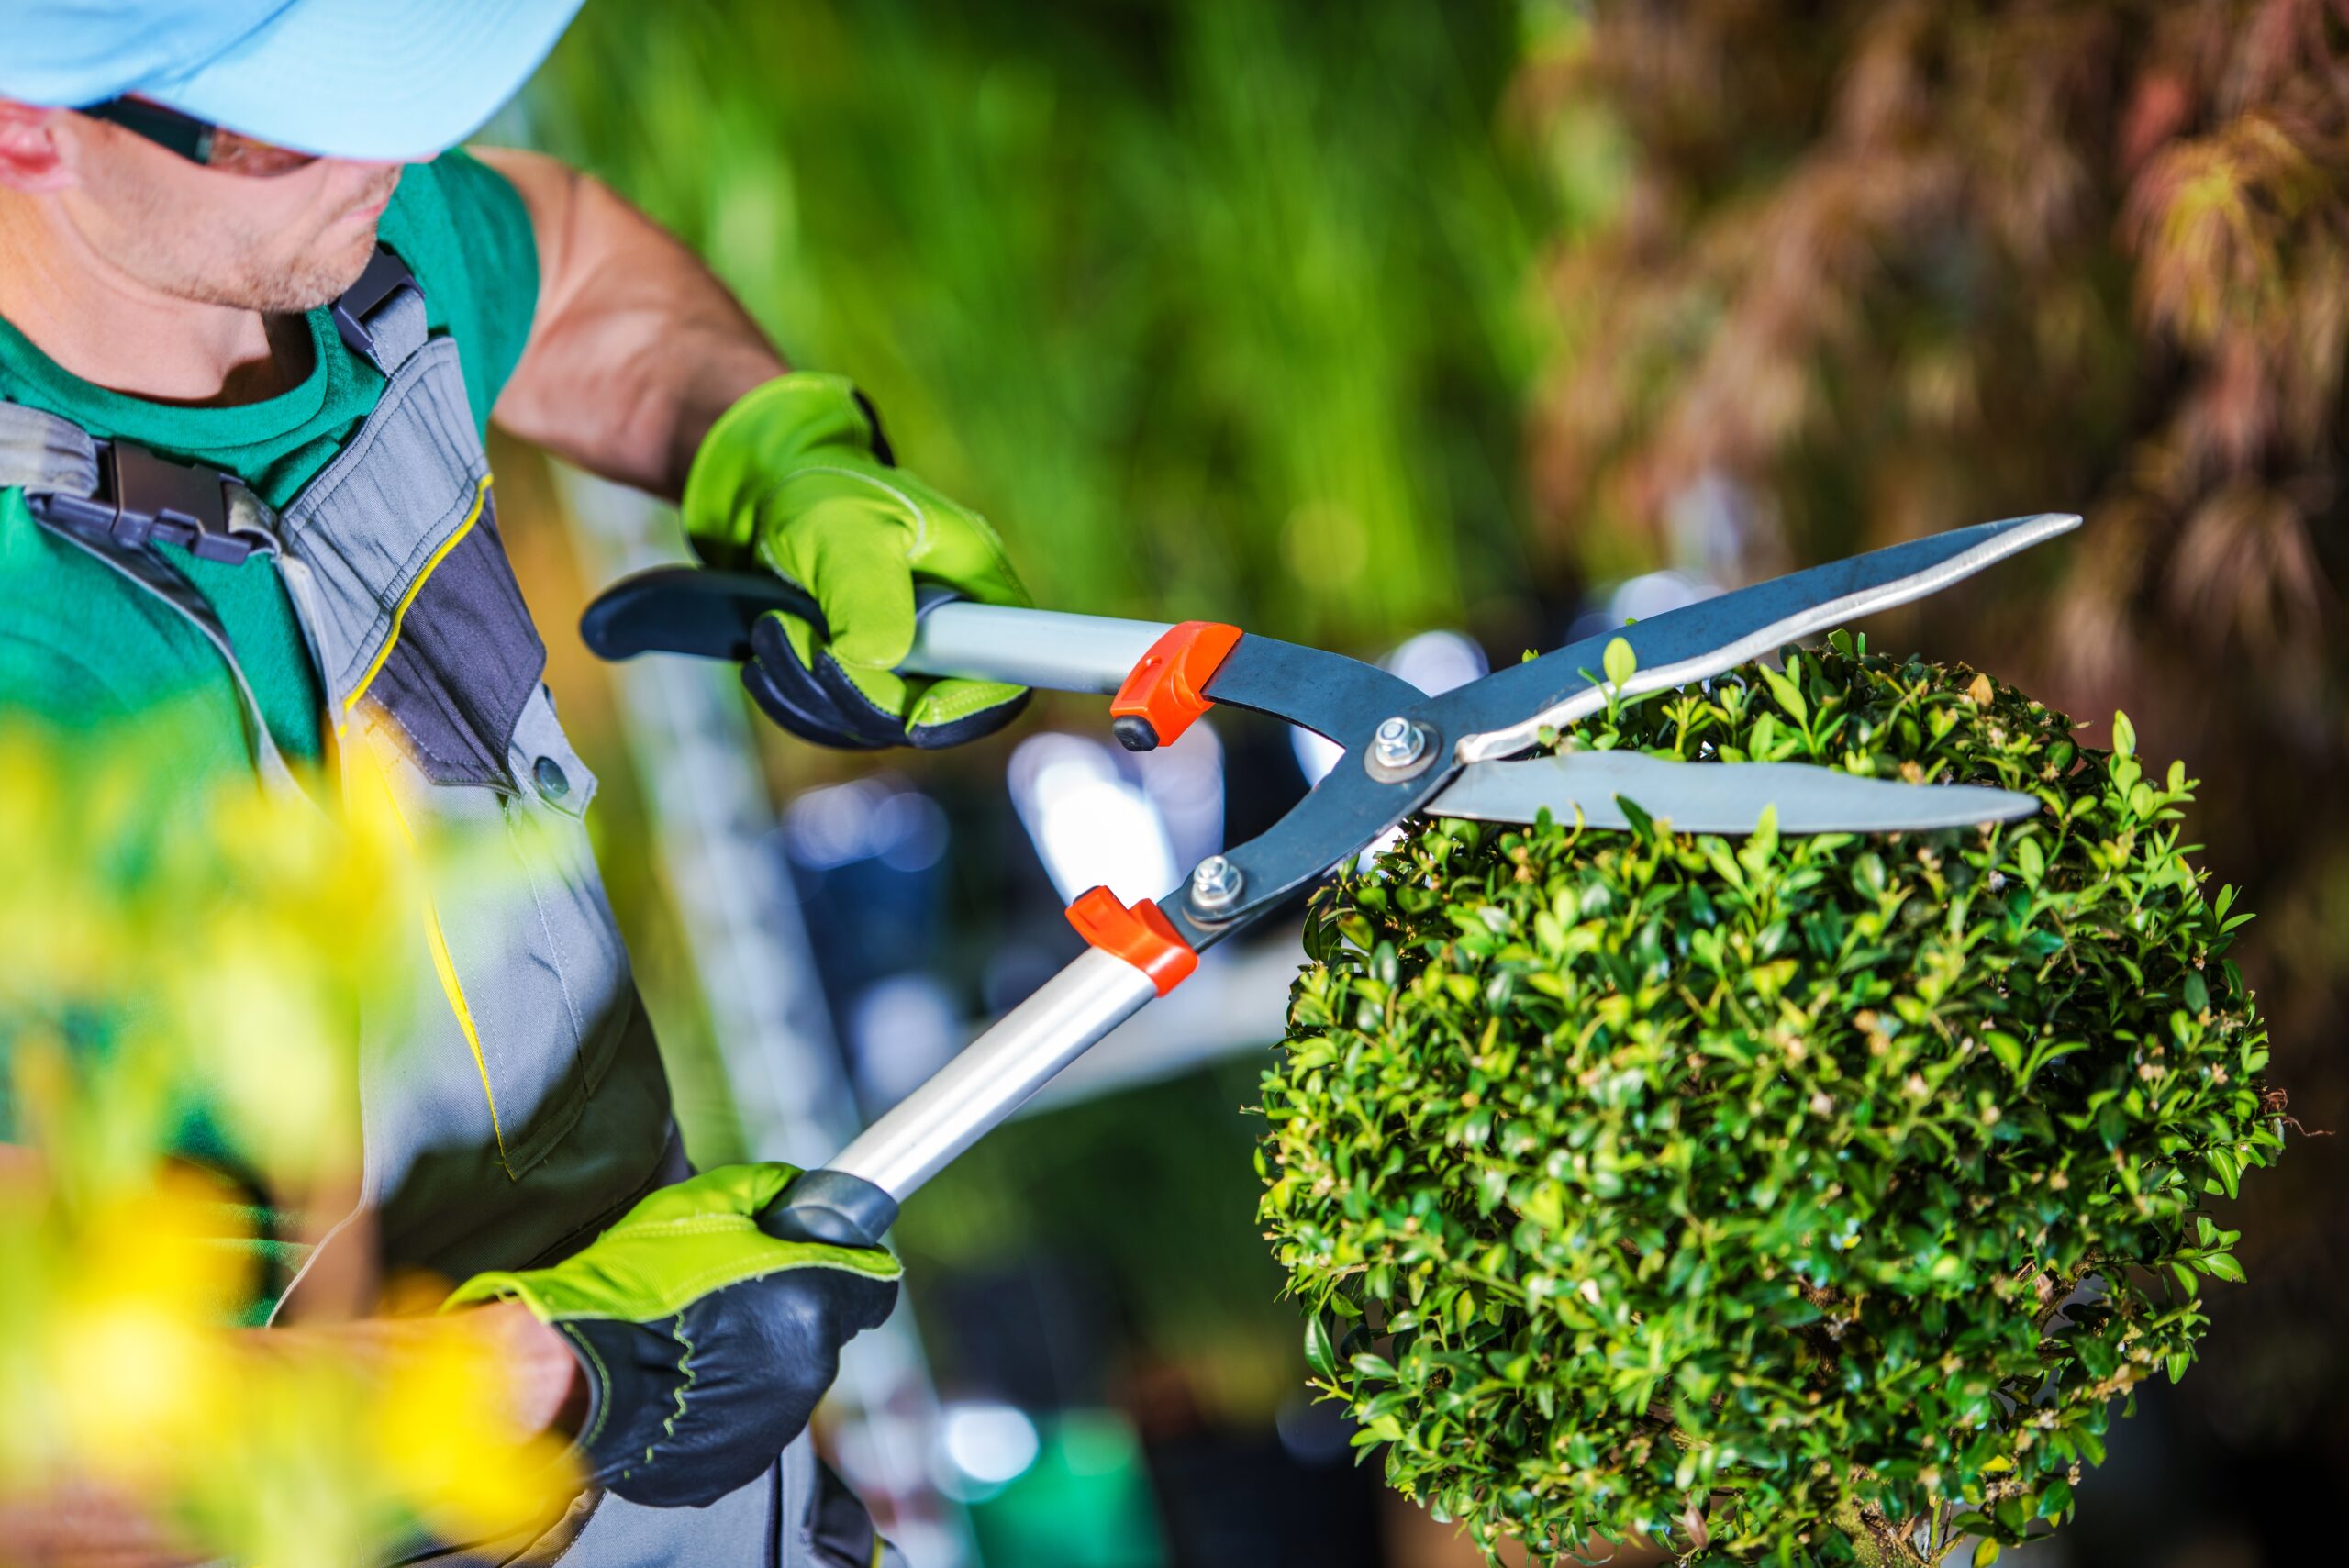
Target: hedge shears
<point x="1458" y="754"/>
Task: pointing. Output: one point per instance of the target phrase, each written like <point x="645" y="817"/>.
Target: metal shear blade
<point x="1505" y="712"/>
<point x="1509" y="709"/>
<point x="1715" y="797"/>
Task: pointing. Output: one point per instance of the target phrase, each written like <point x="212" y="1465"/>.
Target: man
<point x="253" y="324"/>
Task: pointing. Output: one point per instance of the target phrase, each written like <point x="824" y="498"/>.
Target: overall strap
<point x="382" y="314"/>
<point x="150" y="572"/>
<point x="112" y="499"/>
<point x="42" y="454"/>
<point x="122" y="494"/>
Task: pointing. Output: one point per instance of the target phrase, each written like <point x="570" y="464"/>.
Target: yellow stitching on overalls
<point x="399" y="611"/>
<point x="446" y="968"/>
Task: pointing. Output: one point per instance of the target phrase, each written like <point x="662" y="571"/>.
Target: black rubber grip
<point x="688" y="609"/>
<point x="834" y="1206"/>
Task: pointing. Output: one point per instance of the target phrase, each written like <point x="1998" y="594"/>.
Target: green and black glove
<point x="796" y="477"/>
<point x="705" y="1342"/>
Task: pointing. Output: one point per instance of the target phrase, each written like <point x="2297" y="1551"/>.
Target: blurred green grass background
<point x="1220" y="307"/>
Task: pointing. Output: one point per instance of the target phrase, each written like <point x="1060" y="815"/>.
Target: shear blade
<point x="1716" y="797"/>
<point x="1505" y="712"/>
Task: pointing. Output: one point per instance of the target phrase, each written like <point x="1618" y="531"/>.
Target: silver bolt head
<point x="1215" y="883"/>
<point x="1397" y="742"/>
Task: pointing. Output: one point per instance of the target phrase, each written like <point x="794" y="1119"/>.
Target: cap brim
<point x="365" y="79"/>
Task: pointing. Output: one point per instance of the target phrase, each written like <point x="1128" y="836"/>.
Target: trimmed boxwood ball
<point x="1801" y="1200"/>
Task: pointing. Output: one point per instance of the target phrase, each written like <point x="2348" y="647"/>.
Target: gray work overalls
<point x="524" y="1108"/>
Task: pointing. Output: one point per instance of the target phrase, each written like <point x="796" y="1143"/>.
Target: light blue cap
<point x="347" y="78"/>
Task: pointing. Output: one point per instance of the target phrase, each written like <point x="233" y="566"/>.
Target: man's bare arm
<point x="635" y="348"/>
<point x="540" y="1382"/>
<point x="88" y="1524"/>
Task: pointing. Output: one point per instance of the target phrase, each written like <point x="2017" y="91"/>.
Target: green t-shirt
<point x="80" y="647"/>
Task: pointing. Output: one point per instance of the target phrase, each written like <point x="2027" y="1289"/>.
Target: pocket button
<point x="553" y="782"/>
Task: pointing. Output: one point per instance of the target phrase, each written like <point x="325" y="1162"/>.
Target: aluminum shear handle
<point x="686" y="609"/>
<point x="1405" y="751"/>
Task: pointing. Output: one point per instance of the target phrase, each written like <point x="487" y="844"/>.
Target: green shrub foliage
<point x="1803" y="1200"/>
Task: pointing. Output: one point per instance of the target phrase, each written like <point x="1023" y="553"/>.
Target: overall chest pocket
<point x="463" y="659"/>
<point x="410" y="604"/>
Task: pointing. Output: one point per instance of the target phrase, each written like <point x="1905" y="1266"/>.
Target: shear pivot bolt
<point x="1397" y="743"/>
<point x="1216" y="885"/>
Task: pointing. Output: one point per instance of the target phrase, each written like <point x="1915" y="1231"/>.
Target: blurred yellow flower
<point x="149" y="1276"/>
<point x="184" y="986"/>
<point x="474" y="1475"/>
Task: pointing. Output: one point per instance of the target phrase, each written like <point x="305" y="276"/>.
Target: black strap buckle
<point x="385" y="275"/>
<point x="142" y="497"/>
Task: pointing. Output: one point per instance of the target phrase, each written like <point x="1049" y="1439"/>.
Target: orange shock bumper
<point x="1167" y="690"/>
<point x="1141" y="935"/>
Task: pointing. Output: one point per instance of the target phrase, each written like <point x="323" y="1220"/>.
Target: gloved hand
<point x="705" y="1341"/>
<point x="796" y="477"/>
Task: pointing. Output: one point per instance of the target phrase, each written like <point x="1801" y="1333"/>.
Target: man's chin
<point x="330" y="276"/>
<point x="320" y="275"/>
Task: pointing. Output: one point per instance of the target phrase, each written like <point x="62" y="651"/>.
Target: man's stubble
<point x="245" y="267"/>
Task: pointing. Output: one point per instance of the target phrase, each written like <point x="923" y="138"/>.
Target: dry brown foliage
<point x="1887" y="268"/>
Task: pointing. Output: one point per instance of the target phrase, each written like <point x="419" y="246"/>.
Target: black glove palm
<point x="705" y="1342"/>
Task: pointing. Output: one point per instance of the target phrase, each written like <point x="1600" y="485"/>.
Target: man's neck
<point x="107" y="328"/>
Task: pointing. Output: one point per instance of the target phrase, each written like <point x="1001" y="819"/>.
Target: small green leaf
<point x="1545" y="1205"/>
<point x="2124" y="736"/>
<point x="1985" y="1551"/>
<point x="1621" y="663"/>
<point x="1319" y="1353"/>
<point x="1789" y="695"/>
<point x="1762" y="844"/>
<point x="2224" y="1171"/>
<point x="2007" y="1049"/>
